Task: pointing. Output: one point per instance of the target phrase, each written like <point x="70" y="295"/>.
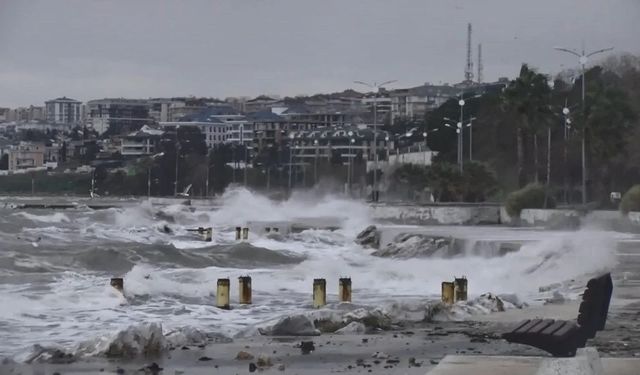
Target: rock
<point x="244" y="356"/>
<point x="281" y="367"/>
<point x="204" y="358"/>
<point x="380" y="355"/>
<point x="416" y="245"/>
<point x="307" y="347"/>
<point x="433" y="361"/>
<point x="370" y="237"/>
<point x="371" y="318"/>
<point x="328" y="325"/>
<point x="119" y="371"/>
<point x="252" y="367"/>
<point x="414" y="363"/>
<point x="296" y="325"/>
<point x="153" y="368"/>
<point x="353" y="328"/>
<point x="264" y="361"/>
<point x="139" y="340"/>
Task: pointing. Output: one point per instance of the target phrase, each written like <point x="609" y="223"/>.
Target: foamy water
<point x="58" y="294"/>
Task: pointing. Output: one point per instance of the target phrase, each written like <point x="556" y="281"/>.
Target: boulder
<point x="370" y="237"/>
<point x="416" y="245"/>
<point x="353" y="328"/>
<point x="296" y="325"/>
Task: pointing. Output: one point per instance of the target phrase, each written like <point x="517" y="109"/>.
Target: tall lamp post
<point x="160" y="154"/>
<point x="459" y="127"/>
<point x="315" y="163"/>
<point x="583" y="59"/>
<point x="291" y="137"/>
<point x="376" y="87"/>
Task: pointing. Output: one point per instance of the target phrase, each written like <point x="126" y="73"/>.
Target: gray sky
<point x="151" y="48"/>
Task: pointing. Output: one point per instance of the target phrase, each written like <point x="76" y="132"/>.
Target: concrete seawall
<point x="497" y="215"/>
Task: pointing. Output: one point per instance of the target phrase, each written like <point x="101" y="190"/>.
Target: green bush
<point x="631" y="200"/>
<point x="530" y="196"/>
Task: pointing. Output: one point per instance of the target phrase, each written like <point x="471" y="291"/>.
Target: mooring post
<point x="222" y="294"/>
<point x="344" y="289"/>
<point x="319" y="293"/>
<point x="118" y="283"/>
<point x="245" y="290"/>
<point x="460" y="289"/>
<point x="447" y="292"/>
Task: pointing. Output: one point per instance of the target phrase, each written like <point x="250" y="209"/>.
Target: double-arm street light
<point x="459" y="128"/>
<point x="583" y="59"/>
<point x="376" y="88"/>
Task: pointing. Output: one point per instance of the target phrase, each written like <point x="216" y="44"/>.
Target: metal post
<point x="290" y="163"/>
<point x="148" y="183"/>
<point x="206" y="183"/>
<point x="315" y="165"/>
<point x="375" y="146"/>
<point x="175" y="184"/>
<point x="471" y="140"/>
<point x="460" y="135"/>
<point x="583" y="58"/>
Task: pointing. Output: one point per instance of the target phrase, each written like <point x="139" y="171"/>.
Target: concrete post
<point x="319" y="293"/>
<point x="460" y="289"/>
<point x="238" y="233"/>
<point x="245" y="233"/>
<point x="118" y="283"/>
<point x="447" y="292"/>
<point x="222" y="294"/>
<point x="207" y="234"/>
<point x="344" y="289"/>
<point x="245" y="290"/>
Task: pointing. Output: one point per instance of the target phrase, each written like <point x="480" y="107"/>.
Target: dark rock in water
<point x="120" y="371"/>
<point x="370" y="237"/>
<point x="415" y="245"/>
<point x="264" y="361"/>
<point x="307" y="347"/>
<point x="296" y="325"/>
<point x="252" y="367"/>
<point x="244" y="356"/>
<point x="153" y="368"/>
<point x="205" y="358"/>
<point x="281" y="367"/>
<point x="434" y="362"/>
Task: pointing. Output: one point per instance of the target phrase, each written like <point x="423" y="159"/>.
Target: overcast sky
<point x="150" y="48"/>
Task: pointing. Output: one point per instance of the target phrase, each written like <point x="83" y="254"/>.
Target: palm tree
<point x="526" y="96"/>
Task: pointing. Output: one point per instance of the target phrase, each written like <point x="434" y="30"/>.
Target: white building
<point x="63" y="111"/>
<point x="141" y="142"/>
<point x="218" y="124"/>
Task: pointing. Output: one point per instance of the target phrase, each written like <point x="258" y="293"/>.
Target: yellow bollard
<point x="222" y="294"/>
<point x="238" y="233"/>
<point x="245" y="290"/>
<point x="344" y="289"/>
<point x="447" y="292"/>
<point x="245" y="233"/>
<point x="118" y="283"/>
<point x="460" y="289"/>
<point x="319" y="293"/>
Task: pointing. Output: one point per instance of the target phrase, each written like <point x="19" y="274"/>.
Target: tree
<point x="527" y="96"/>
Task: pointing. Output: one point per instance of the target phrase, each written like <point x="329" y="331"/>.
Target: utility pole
<point x="583" y="58"/>
<point x="376" y="87"/>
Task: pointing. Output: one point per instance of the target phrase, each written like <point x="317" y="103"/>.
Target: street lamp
<point x="153" y="157"/>
<point x="175" y="184"/>
<point x="459" y="131"/>
<point x="291" y="136"/>
<point x="386" y="142"/>
<point x="315" y="163"/>
<point x="583" y="58"/>
<point x="471" y="138"/>
<point x="376" y="87"/>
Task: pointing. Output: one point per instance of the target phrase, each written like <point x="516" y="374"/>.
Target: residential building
<point x="415" y="102"/>
<point x="4" y="114"/>
<point x="269" y="128"/>
<point x="63" y="111"/>
<point x="260" y="103"/>
<point x="26" y="156"/>
<point x="346" y="143"/>
<point x="216" y="123"/>
<point x="117" y="116"/>
<point x="382" y="104"/>
<point x="141" y="142"/>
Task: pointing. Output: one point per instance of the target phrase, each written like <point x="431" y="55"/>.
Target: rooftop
<point x="63" y="99"/>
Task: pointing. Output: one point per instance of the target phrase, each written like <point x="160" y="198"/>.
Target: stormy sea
<point x="56" y="265"/>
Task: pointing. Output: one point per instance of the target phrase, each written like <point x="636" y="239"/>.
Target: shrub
<point x="631" y="200"/>
<point x="530" y="196"/>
